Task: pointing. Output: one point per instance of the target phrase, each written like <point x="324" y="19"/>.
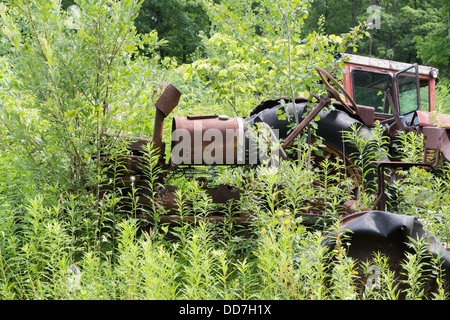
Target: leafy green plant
<point x="74" y="97"/>
<point x="370" y="149"/>
<point x="381" y="281"/>
<point x="264" y="53"/>
<point x="410" y="146"/>
<point x="416" y="266"/>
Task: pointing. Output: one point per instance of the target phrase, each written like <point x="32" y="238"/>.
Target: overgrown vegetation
<point x="70" y="75"/>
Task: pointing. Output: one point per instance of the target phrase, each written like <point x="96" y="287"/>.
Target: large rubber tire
<point x="330" y="127"/>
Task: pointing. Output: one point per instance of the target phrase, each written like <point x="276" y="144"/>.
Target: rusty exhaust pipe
<point x="167" y="101"/>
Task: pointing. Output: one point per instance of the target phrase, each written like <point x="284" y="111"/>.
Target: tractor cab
<point x="393" y="89"/>
<point x="403" y="98"/>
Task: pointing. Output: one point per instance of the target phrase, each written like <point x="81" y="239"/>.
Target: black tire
<point x="330" y="127"/>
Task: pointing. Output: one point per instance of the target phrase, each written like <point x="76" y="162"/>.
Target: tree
<point x="257" y="51"/>
<point x="177" y="21"/>
<point x="409" y="30"/>
<point x="74" y="71"/>
<point x="433" y="47"/>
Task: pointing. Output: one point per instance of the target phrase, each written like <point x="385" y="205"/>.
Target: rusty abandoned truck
<point x="401" y="96"/>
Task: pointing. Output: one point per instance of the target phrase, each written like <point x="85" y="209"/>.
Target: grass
<point x="60" y="248"/>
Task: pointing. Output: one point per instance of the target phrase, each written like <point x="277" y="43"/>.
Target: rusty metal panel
<point x="437" y="139"/>
<point x="208" y="139"/>
<point x="385" y="64"/>
<point x="431" y="119"/>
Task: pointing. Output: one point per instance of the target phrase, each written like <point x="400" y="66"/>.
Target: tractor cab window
<point x="370" y="89"/>
<point x="424" y="100"/>
<point x="408" y="95"/>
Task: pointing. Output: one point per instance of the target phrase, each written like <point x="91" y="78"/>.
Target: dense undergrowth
<point x="57" y="246"/>
<point x="59" y="239"/>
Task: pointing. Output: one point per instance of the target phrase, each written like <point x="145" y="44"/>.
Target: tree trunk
<point x="353" y="13"/>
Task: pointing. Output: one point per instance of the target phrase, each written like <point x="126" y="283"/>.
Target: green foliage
<point x="49" y="255"/>
<point x="67" y="76"/>
<point x="433" y="46"/>
<point x="410" y="146"/>
<point x="73" y="72"/>
<point x="408" y="31"/>
<point x="369" y="149"/>
<point x="179" y="22"/>
<point x="264" y="55"/>
<point x="443" y="96"/>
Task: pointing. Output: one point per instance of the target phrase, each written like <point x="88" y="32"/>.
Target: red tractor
<point x="378" y="94"/>
<point x="401" y="96"/>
